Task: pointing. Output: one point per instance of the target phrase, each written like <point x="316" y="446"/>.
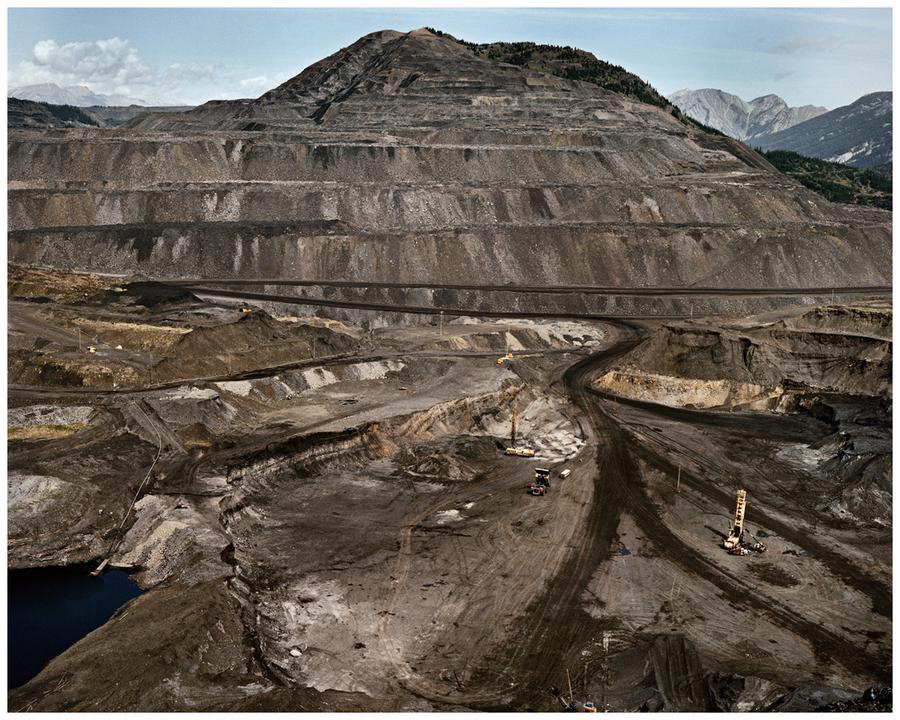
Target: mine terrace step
<point x="339" y="226"/>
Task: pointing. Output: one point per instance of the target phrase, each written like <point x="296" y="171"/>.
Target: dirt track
<point x="195" y="284"/>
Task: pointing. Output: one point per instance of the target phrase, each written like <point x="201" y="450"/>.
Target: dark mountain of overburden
<point x="407" y="158"/>
<point x="859" y="134"/>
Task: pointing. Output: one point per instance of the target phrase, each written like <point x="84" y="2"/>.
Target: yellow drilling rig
<point x="740" y="541"/>
<point x="513" y="449"/>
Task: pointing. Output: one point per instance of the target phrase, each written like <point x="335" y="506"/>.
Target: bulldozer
<point x="739" y="540"/>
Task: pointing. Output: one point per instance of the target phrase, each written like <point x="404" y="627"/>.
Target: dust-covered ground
<point x="326" y="519"/>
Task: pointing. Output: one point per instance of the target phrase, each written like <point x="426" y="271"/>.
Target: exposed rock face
<point x="772" y="355"/>
<point x="832" y="363"/>
<point x="859" y="134"/>
<point x="738" y="118"/>
<point x="407" y="158"/>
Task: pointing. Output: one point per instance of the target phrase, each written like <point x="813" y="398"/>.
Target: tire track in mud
<point x="399" y="576"/>
<point x="824" y="643"/>
<point x="495" y="693"/>
<point x="556" y="626"/>
<point x="552" y="612"/>
<point x="634" y="498"/>
<point x="880" y="595"/>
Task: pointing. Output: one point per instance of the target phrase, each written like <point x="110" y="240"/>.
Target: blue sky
<point x="808" y="56"/>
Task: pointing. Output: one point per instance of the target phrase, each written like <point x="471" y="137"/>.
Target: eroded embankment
<point x="255" y="515"/>
<point x="832" y="363"/>
<point x="730" y="366"/>
<point x="595" y="204"/>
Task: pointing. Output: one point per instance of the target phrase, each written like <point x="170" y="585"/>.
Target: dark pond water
<point x="52" y="608"/>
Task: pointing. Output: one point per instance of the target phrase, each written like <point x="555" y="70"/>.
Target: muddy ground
<point x="325" y="518"/>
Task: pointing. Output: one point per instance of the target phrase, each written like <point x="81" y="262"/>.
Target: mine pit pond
<point x="51" y="609"/>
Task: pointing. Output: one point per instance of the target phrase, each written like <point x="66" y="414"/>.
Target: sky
<point x="824" y="57"/>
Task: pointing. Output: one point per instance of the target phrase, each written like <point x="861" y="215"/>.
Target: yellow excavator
<point x="740" y="541"/>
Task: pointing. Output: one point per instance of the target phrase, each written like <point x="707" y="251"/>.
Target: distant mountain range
<point x="75" y="95"/>
<point x="859" y="134"/>
<point x="738" y="118"/>
<point x="31" y="114"/>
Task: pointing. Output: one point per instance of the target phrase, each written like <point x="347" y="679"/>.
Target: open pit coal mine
<point x="266" y="358"/>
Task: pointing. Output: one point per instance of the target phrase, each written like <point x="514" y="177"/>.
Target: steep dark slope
<point x="406" y="158"/>
<point x="859" y="134"/>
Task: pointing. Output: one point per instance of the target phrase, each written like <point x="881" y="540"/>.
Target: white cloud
<point x="108" y="66"/>
<point x="260" y="82"/>
<point x="113" y="66"/>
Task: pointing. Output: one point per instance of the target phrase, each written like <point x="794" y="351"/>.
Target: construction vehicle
<point x="740" y="541"/>
<point x="541" y="484"/>
<point x="513" y="449"/>
<point x="568" y="703"/>
<point x="505" y="358"/>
